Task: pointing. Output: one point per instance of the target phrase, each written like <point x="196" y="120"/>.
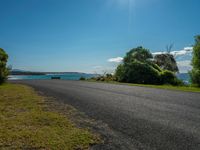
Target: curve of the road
<point x="141" y="118"/>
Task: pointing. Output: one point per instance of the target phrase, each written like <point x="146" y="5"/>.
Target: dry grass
<point x="26" y="124"/>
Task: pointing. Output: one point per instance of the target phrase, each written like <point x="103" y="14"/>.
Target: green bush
<point x="155" y="66"/>
<point x="195" y="73"/>
<point x="138" y="72"/>
<point x="120" y="73"/>
<point x="168" y="77"/>
<point x="82" y="78"/>
<point x="3" y="69"/>
<point x="139" y="54"/>
<point x="195" y="77"/>
<point x="138" y="67"/>
<point x="166" y="62"/>
<point x="106" y="77"/>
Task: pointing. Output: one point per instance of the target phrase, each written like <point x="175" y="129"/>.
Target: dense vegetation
<point x="140" y="67"/>
<point x="195" y="73"/>
<point x="166" y="62"/>
<point x="3" y="68"/>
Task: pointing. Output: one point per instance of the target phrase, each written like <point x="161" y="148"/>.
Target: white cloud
<point x="185" y="51"/>
<point x="184" y="66"/>
<point x="158" y="53"/>
<point x="115" y="60"/>
<point x="182" y="56"/>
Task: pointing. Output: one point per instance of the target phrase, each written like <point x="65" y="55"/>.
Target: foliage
<point x="168" y="77"/>
<point x="155" y="66"/>
<point x="195" y="76"/>
<point x="104" y="77"/>
<point x="82" y="78"/>
<point x="139" y="53"/>
<point x="3" y="69"/>
<point x="195" y="73"/>
<point x="142" y="73"/>
<point x="120" y="73"/>
<point x="166" y="62"/>
<point x="138" y="67"/>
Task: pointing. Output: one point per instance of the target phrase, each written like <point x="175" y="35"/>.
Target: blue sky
<point x="82" y="35"/>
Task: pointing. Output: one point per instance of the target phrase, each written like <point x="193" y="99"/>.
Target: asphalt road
<point x="138" y="117"/>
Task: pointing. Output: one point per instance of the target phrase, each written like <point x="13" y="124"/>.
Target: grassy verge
<point x="25" y="123"/>
<point x="168" y="87"/>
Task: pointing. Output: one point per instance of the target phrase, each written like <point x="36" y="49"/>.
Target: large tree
<point x="195" y="73"/>
<point x="166" y="62"/>
<point x="139" y="54"/>
<point x="139" y="67"/>
<point x="3" y="67"/>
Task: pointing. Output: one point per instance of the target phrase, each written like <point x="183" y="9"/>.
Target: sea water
<point x="70" y="76"/>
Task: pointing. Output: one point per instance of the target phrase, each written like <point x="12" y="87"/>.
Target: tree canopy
<point x="166" y="62"/>
<point x="195" y="73"/>
<point x="3" y="67"/>
<point x="139" y="53"/>
<point x="138" y="67"/>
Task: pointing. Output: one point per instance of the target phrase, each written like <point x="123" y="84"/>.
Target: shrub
<point x="195" y="73"/>
<point x="139" y="54"/>
<point x="195" y="77"/>
<point x="3" y="69"/>
<point x="120" y="73"/>
<point x="166" y="62"/>
<point x="82" y="78"/>
<point x="138" y="72"/>
<point x="168" y="77"/>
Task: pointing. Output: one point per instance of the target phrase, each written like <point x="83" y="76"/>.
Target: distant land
<point x="184" y="76"/>
<point x="15" y="72"/>
<point x="23" y="72"/>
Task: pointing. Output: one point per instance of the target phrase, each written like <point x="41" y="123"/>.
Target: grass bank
<point x="167" y="87"/>
<point x="26" y="123"/>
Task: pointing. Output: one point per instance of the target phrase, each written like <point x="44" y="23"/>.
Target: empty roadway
<point x="138" y="117"/>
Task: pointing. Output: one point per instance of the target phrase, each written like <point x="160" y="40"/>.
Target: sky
<point x="93" y="36"/>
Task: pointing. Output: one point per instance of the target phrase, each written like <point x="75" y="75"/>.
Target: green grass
<point x="168" y="87"/>
<point x="26" y="124"/>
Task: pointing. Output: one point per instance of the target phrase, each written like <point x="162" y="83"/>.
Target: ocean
<point x="185" y="77"/>
<point x="70" y="76"/>
<point x="76" y="76"/>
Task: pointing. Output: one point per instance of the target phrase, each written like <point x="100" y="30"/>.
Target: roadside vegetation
<point x="140" y="67"/>
<point x="186" y="88"/>
<point x="26" y="123"/>
<point x="3" y="68"/>
<point x="195" y="73"/>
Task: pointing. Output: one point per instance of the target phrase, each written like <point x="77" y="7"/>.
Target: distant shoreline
<point x="46" y="73"/>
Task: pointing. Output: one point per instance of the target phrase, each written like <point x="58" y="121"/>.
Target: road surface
<point x="138" y="117"/>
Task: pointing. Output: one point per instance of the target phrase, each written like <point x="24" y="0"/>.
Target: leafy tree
<point x="120" y="73"/>
<point x="82" y="78"/>
<point x="142" y="73"/>
<point x="166" y="62"/>
<point x="195" y="73"/>
<point x="3" y="68"/>
<point x="168" y="77"/>
<point x="139" y="54"/>
<point x="138" y="67"/>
